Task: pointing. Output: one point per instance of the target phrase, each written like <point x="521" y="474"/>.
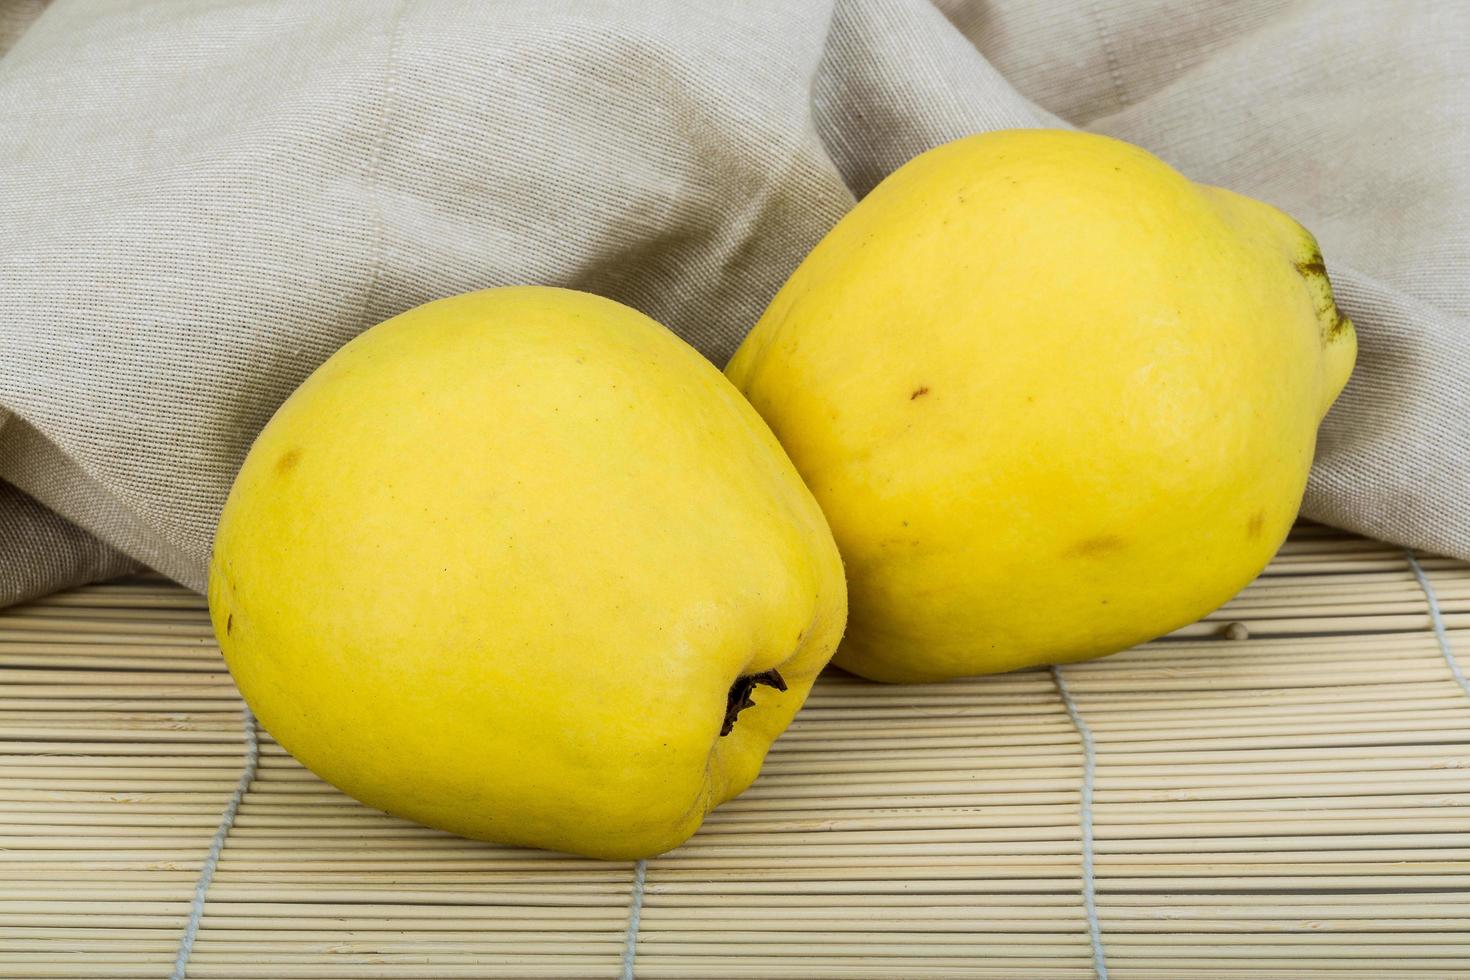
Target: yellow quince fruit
<point x="522" y="565"/>
<point x="1054" y="398"/>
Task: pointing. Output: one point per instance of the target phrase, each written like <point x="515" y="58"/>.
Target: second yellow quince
<point x="1054" y="398"/>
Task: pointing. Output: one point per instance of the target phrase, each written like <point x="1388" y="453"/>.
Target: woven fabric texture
<point x="201" y="201"/>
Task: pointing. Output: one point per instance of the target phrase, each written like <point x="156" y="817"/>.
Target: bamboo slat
<point x="1280" y="790"/>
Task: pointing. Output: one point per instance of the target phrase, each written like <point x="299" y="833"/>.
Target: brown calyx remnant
<point x="739" y="697"/>
<point x="1314" y="272"/>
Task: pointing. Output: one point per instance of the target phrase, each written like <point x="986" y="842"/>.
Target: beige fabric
<point x="41" y="552"/>
<point x="202" y="200"/>
<point x="15" y="17"/>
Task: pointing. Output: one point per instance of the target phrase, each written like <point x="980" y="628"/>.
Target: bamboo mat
<point x="1291" y="804"/>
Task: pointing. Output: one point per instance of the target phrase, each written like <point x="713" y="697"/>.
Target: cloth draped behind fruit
<point x="201" y="202"/>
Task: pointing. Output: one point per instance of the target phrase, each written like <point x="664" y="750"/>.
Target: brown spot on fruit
<point x="1316" y="267"/>
<point x="1254" y="525"/>
<point x="921" y="390"/>
<point x="1096" y="547"/>
<point x="288" y="461"/>
<point x="229" y="623"/>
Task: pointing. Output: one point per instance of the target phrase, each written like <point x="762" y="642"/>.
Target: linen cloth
<point x="200" y="200"/>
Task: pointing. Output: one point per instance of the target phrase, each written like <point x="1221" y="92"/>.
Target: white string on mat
<point x="635" y="915"/>
<point x="1084" y="818"/>
<point x="217" y="845"/>
<point x="1437" y="619"/>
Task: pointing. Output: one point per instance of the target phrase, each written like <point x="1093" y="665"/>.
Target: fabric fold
<point x="200" y="203"/>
